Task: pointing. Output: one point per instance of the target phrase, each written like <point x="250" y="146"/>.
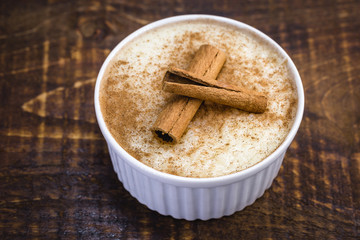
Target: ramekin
<point x="196" y="198"/>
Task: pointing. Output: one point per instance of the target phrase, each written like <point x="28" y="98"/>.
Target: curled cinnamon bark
<point x="174" y="119"/>
<point x="189" y="84"/>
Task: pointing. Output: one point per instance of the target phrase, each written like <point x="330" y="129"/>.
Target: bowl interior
<point x="200" y="182"/>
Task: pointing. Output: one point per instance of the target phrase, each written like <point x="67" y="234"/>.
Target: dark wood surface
<point x="56" y="178"/>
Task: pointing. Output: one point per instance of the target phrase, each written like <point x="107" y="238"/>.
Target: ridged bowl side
<point x="189" y="202"/>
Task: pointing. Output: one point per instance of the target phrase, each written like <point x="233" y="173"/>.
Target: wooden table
<point x="56" y="178"/>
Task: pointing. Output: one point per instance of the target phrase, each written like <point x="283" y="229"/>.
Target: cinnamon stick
<point x="189" y="84"/>
<point x="174" y="119"/>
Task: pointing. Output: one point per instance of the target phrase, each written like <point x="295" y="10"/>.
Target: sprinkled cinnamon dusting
<point x="220" y="140"/>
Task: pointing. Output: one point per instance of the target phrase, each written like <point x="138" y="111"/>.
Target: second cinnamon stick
<point x="189" y="84"/>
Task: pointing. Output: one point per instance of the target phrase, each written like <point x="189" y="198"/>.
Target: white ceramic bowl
<point x="196" y="198"/>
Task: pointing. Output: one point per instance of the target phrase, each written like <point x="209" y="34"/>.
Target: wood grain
<point x="56" y="178"/>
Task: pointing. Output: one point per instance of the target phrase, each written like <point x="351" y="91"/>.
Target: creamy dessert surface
<point x="219" y="140"/>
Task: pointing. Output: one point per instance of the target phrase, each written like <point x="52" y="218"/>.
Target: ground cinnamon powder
<point x="220" y="140"/>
